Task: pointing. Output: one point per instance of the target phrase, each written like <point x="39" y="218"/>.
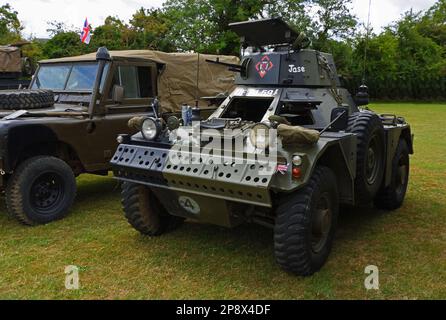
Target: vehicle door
<point x="139" y="83"/>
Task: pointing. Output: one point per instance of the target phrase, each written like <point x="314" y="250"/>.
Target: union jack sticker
<point x="282" y="168"/>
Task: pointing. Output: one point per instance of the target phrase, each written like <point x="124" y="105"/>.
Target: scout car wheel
<point x="41" y="190"/>
<point x="370" y="155"/>
<point x="144" y="212"/>
<point x="306" y="223"/>
<point x="392" y="197"/>
<point x="26" y="99"/>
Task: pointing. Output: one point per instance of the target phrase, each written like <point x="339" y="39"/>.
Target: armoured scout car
<point x="68" y="122"/>
<point x="324" y="152"/>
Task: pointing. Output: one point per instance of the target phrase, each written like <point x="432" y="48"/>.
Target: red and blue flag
<point x="86" y="32"/>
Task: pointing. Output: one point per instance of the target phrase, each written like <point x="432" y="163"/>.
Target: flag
<point x="282" y="168"/>
<point x="86" y="33"/>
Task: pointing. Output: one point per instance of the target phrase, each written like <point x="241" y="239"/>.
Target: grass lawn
<point x="199" y="262"/>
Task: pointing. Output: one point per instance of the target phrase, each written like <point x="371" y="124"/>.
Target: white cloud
<point x="384" y="12"/>
<point x="36" y="13"/>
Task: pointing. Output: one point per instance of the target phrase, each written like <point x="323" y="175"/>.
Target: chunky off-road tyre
<point x="145" y="213"/>
<point x="26" y="99"/>
<point x="306" y="223"/>
<point x="41" y="190"/>
<point x="370" y="165"/>
<point x="392" y="197"/>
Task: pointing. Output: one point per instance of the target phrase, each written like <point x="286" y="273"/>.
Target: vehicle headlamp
<point x="259" y="136"/>
<point x="151" y="128"/>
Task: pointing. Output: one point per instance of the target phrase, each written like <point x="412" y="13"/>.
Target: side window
<point x="137" y="81"/>
<point x="129" y="80"/>
<point x="145" y="82"/>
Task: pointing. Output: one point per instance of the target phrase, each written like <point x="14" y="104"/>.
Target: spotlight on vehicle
<point x="151" y="128"/>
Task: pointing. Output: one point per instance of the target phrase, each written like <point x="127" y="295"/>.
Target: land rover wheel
<point x="145" y="213"/>
<point x="26" y="99"/>
<point x="306" y="223"/>
<point x="41" y="190"/>
<point x="369" y="131"/>
<point x="392" y="197"/>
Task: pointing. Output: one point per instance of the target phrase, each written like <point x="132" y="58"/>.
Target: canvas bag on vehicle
<point x="10" y="60"/>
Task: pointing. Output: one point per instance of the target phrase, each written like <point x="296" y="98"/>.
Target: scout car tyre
<point x="392" y="197"/>
<point x="370" y="154"/>
<point x="41" y="190"/>
<point x="26" y="99"/>
<point x="145" y="213"/>
<point x="306" y="224"/>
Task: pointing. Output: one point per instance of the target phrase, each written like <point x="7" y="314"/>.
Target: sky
<point x="34" y="14"/>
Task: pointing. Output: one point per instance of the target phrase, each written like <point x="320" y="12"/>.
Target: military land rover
<point x="67" y="123"/>
<point x="286" y="148"/>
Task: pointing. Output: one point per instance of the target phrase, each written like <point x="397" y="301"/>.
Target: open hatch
<point x="248" y="108"/>
<point x="264" y="32"/>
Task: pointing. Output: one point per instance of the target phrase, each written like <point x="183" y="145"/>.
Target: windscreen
<point x="68" y="77"/>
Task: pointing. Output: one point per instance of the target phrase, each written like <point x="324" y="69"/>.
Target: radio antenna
<point x="197" y="93"/>
<point x="364" y="75"/>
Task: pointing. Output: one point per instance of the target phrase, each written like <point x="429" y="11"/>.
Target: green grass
<point x="199" y="261"/>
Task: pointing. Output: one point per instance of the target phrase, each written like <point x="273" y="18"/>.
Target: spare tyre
<point x="26" y="99"/>
<point x="370" y="167"/>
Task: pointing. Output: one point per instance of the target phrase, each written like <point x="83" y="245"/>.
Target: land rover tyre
<point x="41" y="190"/>
<point x="369" y="130"/>
<point x="306" y="223"/>
<point x="26" y="99"/>
<point x="392" y="197"/>
<point x="145" y="213"/>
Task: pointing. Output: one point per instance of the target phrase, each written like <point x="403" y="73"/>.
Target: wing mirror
<point x="339" y="119"/>
<point x="118" y="94"/>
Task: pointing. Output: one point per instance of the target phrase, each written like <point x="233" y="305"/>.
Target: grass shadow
<point x="255" y="237"/>
<point x="91" y="187"/>
<point x="354" y="221"/>
<point x="250" y="243"/>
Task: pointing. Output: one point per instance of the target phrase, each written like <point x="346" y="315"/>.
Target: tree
<point x="146" y="30"/>
<point x="381" y="68"/>
<point x="403" y="63"/>
<point x="113" y="34"/>
<point x="34" y="52"/>
<point x="407" y="60"/>
<point x="64" y="44"/>
<point x="151" y="29"/>
<point x="56" y="27"/>
<point x="421" y="59"/>
<point x="202" y="25"/>
<point x="293" y="12"/>
<point x="333" y="20"/>
<point x="433" y="23"/>
<point x="10" y="26"/>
